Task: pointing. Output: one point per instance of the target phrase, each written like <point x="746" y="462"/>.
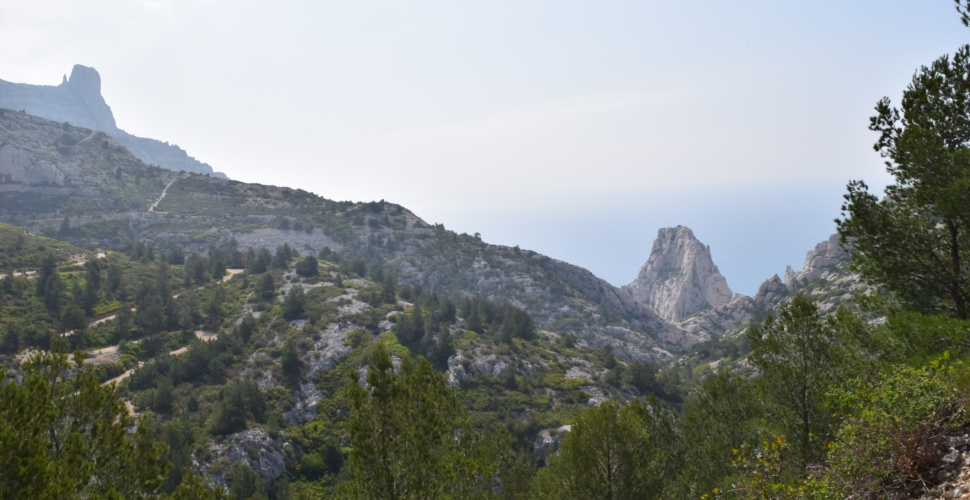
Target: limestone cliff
<point x="825" y="255"/>
<point x="78" y="101"/>
<point x="826" y="277"/>
<point x="679" y="278"/>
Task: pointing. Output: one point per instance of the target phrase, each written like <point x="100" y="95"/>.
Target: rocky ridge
<point x="825" y="276"/>
<point x="48" y="169"/>
<point x="107" y="194"/>
<point x="77" y="100"/>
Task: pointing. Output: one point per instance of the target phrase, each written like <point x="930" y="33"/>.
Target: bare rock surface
<point x="825" y="255"/>
<point x="267" y="455"/>
<point x="271" y="238"/>
<point x="548" y="442"/>
<point x="305" y="409"/>
<point x="679" y="278"/>
<point x="19" y="167"/>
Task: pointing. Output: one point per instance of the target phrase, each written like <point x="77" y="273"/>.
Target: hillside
<point x="109" y="199"/>
<point x="179" y="334"/>
<point x="82" y="186"/>
<point x="245" y="372"/>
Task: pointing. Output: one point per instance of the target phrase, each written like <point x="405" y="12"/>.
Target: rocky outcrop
<point x="78" y="101"/>
<point x="823" y="257"/>
<point x="771" y="291"/>
<point x="547" y="443"/>
<point x="19" y="167"/>
<point x="679" y="278"/>
<point x="825" y="277"/>
<point x="267" y="455"/>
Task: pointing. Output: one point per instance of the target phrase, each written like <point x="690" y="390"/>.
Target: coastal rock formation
<point x="826" y="277"/>
<point x="825" y="255"/>
<point x="679" y="278"/>
<point x="78" y="101"/>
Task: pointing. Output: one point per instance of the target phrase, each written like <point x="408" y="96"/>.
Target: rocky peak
<point x="679" y="278"/>
<point x="78" y="101"/>
<point x="86" y="83"/>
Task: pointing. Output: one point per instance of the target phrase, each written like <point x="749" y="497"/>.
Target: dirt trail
<point x="204" y="336"/>
<point x="123" y="376"/>
<point x="232" y="272"/>
<point x="88" y="138"/>
<point x="151" y="209"/>
<point x="109" y="317"/>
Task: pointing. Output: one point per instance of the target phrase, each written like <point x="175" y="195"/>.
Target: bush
<point x="895" y="426"/>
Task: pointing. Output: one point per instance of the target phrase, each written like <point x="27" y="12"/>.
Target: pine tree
<point x="412" y="439"/>
<point x="64" y="435"/>
<point x="614" y="452"/>
<point x="796" y="355"/>
<point x="290" y="363"/>
<point x="915" y="241"/>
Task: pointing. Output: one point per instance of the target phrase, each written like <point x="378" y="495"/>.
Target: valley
<point x="168" y="332"/>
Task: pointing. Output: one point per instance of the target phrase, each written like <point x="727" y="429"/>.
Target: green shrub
<point x="895" y="426"/>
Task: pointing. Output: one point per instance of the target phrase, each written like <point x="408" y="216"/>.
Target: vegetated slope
<point x="78" y="101"/>
<point x="247" y="369"/>
<point x="20" y="250"/>
<point x="52" y="171"/>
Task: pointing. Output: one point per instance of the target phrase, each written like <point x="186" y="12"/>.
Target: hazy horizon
<point x="573" y="129"/>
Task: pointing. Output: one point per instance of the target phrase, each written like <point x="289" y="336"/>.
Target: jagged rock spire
<point x="679" y="278"/>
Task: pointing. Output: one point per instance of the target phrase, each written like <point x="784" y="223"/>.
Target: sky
<point x="573" y="128"/>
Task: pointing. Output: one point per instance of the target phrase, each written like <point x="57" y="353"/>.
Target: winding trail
<point x="203" y="336"/>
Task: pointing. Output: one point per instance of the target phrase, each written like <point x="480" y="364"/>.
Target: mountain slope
<point x="83" y="186"/>
<point x="107" y="194"/>
<point x="78" y="101"/>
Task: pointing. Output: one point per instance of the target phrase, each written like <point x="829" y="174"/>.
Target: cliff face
<point x="825" y="255"/>
<point x="679" y="278"/>
<point x="826" y="277"/>
<point x="78" y="101"/>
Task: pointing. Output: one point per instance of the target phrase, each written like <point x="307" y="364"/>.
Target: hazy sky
<point x="576" y="129"/>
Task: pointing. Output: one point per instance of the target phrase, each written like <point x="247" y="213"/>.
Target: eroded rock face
<point x="679" y="278"/>
<point x="825" y="255"/>
<point x="265" y="454"/>
<point x="19" y="167"/>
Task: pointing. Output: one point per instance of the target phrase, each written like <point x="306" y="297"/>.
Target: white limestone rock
<point x="19" y="167"/>
<point x="679" y="278"/>
<point x="823" y="257"/>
